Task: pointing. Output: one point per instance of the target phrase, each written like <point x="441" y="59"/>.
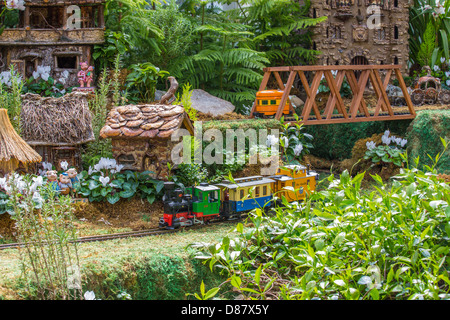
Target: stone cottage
<point x="45" y="36"/>
<point x="141" y="135"/>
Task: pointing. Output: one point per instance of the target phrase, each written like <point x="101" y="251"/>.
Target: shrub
<point x="343" y="243"/>
<point x="424" y="138"/>
<point x="105" y="181"/>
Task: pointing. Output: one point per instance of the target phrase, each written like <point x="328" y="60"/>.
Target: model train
<point x="228" y="200"/>
<point x="267" y="102"/>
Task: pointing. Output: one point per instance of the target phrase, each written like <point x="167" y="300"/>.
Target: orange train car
<point x="267" y="102"/>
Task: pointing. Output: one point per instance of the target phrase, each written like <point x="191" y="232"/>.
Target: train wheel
<point x="431" y="95"/>
<point x="418" y="97"/>
<point x="444" y="97"/>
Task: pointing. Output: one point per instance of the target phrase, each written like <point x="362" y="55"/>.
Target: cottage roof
<point x="63" y="121"/>
<point x="13" y="149"/>
<point x="145" y="121"/>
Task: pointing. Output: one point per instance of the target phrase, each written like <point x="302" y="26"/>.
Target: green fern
<point x="427" y="46"/>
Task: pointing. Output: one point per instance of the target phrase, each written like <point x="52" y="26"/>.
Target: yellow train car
<point x="267" y="102"/>
<point x="294" y="182"/>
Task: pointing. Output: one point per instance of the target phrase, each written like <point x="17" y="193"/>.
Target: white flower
<point x="89" y="295"/>
<point x="2" y="183"/>
<point x="436" y="68"/>
<point x="439" y="9"/>
<point x="105" y="163"/>
<point x="370" y="145"/>
<point x="447" y="83"/>
<point x="386" y="140"/>
<point x="104" y="180"/>
<point x="403" y="142"/>
<point x="447" y="74"/>
<point x="91" y="170"/>
<point x="64" y="76"/>
<point x="37" y="182"/>
<point x="64" y="165"/>
<point x="271" y="140"/>
<point x="15" y="4"/>
<point x="5" y="78"/>
<point x="285" y="142"/>
<point x="37" y="198"/>
<point x="298" y="149"/>
<point x="43" y="72"/>
<point x="119" y="167"/>
<point x="426" y="7"/>
<point x="442" y="59"/>
<point x="47" y="166"/>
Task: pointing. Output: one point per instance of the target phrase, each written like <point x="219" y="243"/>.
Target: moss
<point x="424" y="135"/>
<point x="336" y="141"/>
<point x="153" y="268"/>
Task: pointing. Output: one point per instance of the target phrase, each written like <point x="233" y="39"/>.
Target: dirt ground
<point x="134" y="214"/>
<point x="227" y="116"/>
<point x="103" y="218"/>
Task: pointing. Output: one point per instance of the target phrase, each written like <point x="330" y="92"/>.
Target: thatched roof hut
<point x="14" y="151"/>
<point x="57" y="127"/>
<point x="63" y="121"/>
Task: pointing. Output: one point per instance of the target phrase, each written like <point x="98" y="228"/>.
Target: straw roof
<point x="13" y="149"/>
<point x="63" y="121"/>
<point x="145" y="121"/>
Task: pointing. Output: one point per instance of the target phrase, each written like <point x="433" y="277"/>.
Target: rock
<point x="296" y="101"/>
<point x="159" y="94"/>
<point x="206" y="103"/>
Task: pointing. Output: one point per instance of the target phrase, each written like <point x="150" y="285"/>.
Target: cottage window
<point x="334" y="32"/>
<point x="396" y="32"/>
<point x="46" y="17"/>
<point x="381" y="34"/>
<point x="126" y="159"/>
<point x="66" y="62"/>
<point x="376" y="2"/>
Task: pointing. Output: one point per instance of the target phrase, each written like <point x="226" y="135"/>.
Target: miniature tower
<point x="56" y="33"/>
<point x="361" y="32"/>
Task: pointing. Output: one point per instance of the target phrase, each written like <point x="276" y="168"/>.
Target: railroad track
<point x="125" y="235"/>
<point x="122" y="235"/>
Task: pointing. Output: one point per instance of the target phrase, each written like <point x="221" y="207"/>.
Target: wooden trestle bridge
<point x="357" y="76"/>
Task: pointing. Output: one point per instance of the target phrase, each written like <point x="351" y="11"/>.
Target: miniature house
<point x="15" y="153"/>
<point x="44" y="35"/>
<point x="141" y="135"/>
<point x="349" y="36"/>
<point x="57" y="128"/>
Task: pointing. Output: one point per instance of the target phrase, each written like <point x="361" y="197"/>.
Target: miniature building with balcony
<point x="47" y="34"/>
<point x="362" y="32"/>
